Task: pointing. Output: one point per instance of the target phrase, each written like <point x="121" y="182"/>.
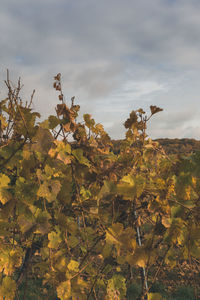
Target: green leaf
<point x="73" y="241"/>
<point x="116" y="287"/>
<point x="107" y="249"/>
<point x="113" y="233"/>
<point x="26" y="223"/>
<point x="85" y="194"/>
<point x="49" y="190"/>
<point x="42" y="218"/>
<point x="53" y="122"/>
<point x="89" y="122"/>
<point x="78" y="154"/>
<point x="107" y="188"/>
<point x="42" y="141"/>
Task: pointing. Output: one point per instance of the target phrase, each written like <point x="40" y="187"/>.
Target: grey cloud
<point x="176" y="118"/>
<point x="175" y="124"/>
<point x="101" y="46"/>
<point x="85" y="31"/>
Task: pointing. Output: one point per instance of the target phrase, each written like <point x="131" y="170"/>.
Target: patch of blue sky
<point x="19" y="59"/>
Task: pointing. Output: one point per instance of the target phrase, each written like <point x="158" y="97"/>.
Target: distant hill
<point x="173" y="146"/>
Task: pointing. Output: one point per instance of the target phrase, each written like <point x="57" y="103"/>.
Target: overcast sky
<point x="115" y="56"/>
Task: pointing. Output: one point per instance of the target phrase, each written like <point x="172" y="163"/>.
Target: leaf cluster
<point x="78" y="216"/>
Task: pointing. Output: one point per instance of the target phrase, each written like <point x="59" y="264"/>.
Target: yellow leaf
<point x="64" y="290"/>
<point x="155" y="296"/>
<point x="5" y="196"/>
<point x="107" y="249"/>
<point x="139" y="258"/>
<point x="128" y="179"/>
<point x="4" y="180"/>
<point x="113" y="233"/>
<point x="127" y="190"/>
<point x="54" y="239"/>
<point x="166" y="222"/>
<point x="9" y="260"/>
<point x="72" y="241"/>
<point x="7" y="288"/>
<point x="61" y="264"/>
<point x="121" y="260"/>
<point x="94" y="210"/>
<point x="68" y="148"/>
<point x="64" y="158"/>
<point x="194" y="181"/>
<point x="48" y="170"/>
<point x="73" y="265"/>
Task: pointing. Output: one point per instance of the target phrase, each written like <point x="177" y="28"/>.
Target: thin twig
<point x="31" y="99"/>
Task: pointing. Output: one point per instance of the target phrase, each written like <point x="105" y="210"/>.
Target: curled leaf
<point x="154" y="109"/>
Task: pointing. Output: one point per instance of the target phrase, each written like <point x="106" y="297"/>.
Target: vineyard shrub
<point x="78" y="221"/>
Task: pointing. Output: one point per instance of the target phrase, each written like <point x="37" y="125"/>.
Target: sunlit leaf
<point x="155" y="296"/>
<point x="8" y="288"/>
<point x="113" y="233"/>
<point x="73" y="265"/>
<point x="54" y="239"/>
<point x="64" y="290"/>
<point x="4" y="180"/>
<point x="116" y="287"/>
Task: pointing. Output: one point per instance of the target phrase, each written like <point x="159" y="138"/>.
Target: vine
<point x="83" y="219"/>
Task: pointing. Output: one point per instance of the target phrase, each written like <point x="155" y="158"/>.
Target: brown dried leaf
<point x="154" y="109"/>
<point x="58" y="77"/>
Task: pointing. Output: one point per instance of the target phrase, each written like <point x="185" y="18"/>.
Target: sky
<point x="114" y="56"/>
